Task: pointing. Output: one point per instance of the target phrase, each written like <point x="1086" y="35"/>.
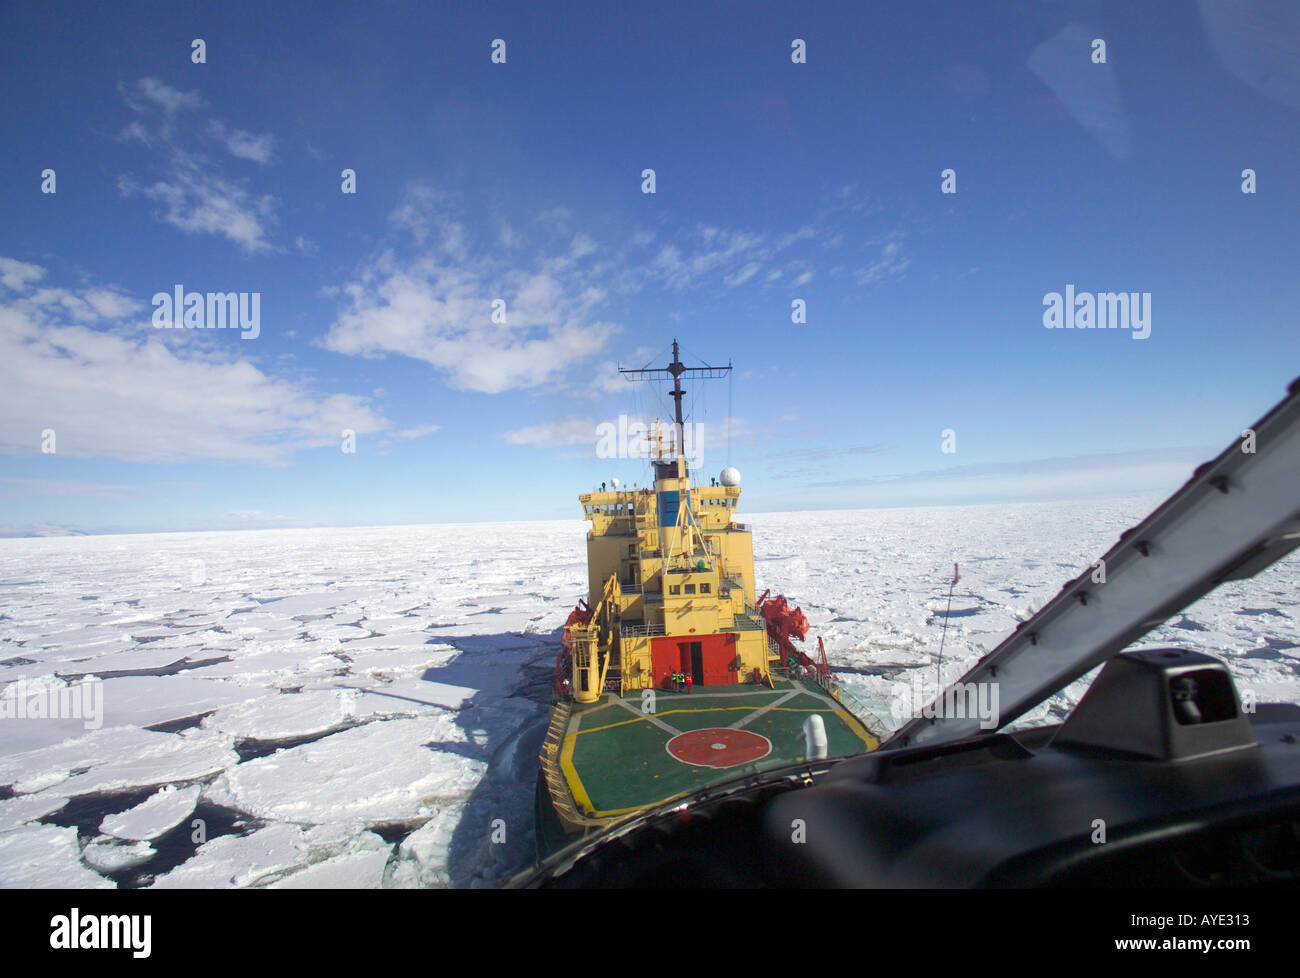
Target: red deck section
<point x="718" y="747"/>
<point x="708" y="658"/>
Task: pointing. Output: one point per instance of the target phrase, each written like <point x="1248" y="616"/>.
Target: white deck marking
<point x="668" y="728"/>
<point x="763" y="709"/>
<point x="818" y="693"/>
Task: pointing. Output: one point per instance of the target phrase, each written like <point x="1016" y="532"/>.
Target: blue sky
<point x="521" y="181"/>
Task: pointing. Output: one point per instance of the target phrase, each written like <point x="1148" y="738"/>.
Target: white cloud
<point x="115" y="394"/>
<point x="743" y="275"/>
<point x="418" y="209"/>
<point x="199" y="202"/>
<point x="708" y="251"/>
<point x="708" y="254"/>
<point x="170" y="100"/>
<point x="437" y="306"/>
<point x="17" y="275"/>
<point x="193" y="194"/>
<point x="243" y="144"/>
<point x="111" y="304"/>
<point x="570" y="431"/>
<point x="429" y="295"/>
<point x="87" y="305"/>
<point x="891" y="262"/>
<point x="607" y="380"/>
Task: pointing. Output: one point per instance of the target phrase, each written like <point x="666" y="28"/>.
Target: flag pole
<point x="938" y="666"/>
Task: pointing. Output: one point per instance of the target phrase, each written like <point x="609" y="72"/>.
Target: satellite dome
<point x="730" y="476"/>
<point x="614" y="483"/>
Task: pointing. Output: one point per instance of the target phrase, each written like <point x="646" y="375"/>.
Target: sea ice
<point x="352" y="871"/>
<point x="417" y="656"/>
<point x="155" y="816"/>
<point x="37" y="857"/>
<point x="379" y="772"/>
<point x="112" y="855"/>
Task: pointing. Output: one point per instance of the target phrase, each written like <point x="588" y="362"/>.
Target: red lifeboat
<point x="785" y="623"/>
<point x="782" y="620"/>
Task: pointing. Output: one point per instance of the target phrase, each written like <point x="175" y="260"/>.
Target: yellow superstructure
<point x="671" y="582"/>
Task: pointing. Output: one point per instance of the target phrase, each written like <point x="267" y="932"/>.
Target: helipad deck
<point x="617" y="758"/>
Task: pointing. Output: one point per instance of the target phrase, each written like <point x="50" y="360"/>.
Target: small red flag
<point x="955" y="577"/>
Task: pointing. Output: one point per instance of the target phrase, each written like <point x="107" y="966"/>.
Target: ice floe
<point x="111" y="855"/>
<point x="36" y="857"/>
<point x="155" y="816"/>
<point x="379" y="772"/>
<point x="358" y="707"/>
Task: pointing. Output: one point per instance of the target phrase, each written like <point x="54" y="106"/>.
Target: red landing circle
<point x="718" y="747"/>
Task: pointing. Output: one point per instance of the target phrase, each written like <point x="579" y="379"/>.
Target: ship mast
<point x="677" y="369"/>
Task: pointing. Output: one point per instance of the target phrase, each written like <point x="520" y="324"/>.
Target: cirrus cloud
<point x="192" y="192"/>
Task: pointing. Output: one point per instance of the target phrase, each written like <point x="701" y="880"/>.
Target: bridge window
<point x="674" y="589"/>
<point x="704" y="588"/>
<point x="690" y="588"/>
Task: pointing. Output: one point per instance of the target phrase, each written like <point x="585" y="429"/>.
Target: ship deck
<point x="617" y="759"/>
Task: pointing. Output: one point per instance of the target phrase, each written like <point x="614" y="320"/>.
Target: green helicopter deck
<point x="625" y="753"/>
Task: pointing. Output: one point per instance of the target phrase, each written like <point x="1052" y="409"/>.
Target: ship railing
<point x="854" y="706"/>
<point x="641" y="631"/>
<point x="748" y="623"/>
<point x="630" y="588"/>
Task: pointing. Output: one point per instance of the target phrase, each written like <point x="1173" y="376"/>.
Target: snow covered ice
<point x="362" y="707"/>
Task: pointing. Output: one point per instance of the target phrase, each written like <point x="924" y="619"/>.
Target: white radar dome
<point x="614" y="483"/>
<point x="730" y="476"/>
